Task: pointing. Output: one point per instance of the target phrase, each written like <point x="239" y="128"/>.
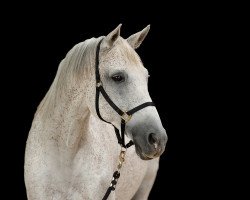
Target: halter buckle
<point x="126" y="117"/>
<point x="99" y="84"/>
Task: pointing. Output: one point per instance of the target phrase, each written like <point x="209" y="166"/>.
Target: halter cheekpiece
<point x="125" y="117"/>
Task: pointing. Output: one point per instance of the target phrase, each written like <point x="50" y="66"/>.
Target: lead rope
<point x="116" y="174"/>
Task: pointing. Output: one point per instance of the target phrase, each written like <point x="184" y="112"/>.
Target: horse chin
<point x="141" y="154"/>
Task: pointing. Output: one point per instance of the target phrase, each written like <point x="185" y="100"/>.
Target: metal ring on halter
<point x="126" y="117"/>
<point x="98" y="84"/>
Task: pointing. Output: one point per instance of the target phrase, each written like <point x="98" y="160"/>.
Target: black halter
<point x="125" y="116"/>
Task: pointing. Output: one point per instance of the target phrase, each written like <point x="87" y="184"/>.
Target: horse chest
<point x="98" y="175"/>
<point x="98" y="160"/>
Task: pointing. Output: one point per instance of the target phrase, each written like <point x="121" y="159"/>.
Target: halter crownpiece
<point x="125" y="117"/>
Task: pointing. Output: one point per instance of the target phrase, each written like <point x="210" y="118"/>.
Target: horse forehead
<point x="122" y="56"/>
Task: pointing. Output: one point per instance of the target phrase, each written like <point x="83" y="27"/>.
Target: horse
<point x="72" y="149"/>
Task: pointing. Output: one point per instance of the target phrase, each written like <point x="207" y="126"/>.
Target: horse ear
<point x="112" y="36"/>
<point x="136" y="39"/>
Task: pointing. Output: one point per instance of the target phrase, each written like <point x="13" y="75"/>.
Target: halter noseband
<point x="125" y="117"/>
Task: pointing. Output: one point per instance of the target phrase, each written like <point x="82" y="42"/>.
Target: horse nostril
<point x="152" y="139"/>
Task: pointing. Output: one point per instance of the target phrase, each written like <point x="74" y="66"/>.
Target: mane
<point x="75" y="65"/>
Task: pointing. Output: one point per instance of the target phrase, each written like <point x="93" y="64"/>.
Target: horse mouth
<point x="141" y="154"/>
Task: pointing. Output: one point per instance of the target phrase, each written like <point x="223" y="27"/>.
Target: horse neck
<point x="66" y="121"/>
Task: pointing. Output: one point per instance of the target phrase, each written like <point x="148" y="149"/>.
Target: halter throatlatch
<point x="125" y="117"/>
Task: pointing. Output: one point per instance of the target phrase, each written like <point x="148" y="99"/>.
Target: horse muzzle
<point x="151" y="146"/>
<point x="149" y="138"/>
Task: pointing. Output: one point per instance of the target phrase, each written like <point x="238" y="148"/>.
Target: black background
<point x="183" y="53"/>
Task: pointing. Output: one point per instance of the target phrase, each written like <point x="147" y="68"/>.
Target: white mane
<point x="73" y="67"/>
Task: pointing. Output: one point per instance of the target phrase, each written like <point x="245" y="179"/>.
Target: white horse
<point x="72" y="154"/>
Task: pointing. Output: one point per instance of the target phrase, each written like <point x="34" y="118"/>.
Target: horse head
<point x="125" y="80"/>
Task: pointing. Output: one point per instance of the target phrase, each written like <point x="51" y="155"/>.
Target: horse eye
<point x="117" y="78"/>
